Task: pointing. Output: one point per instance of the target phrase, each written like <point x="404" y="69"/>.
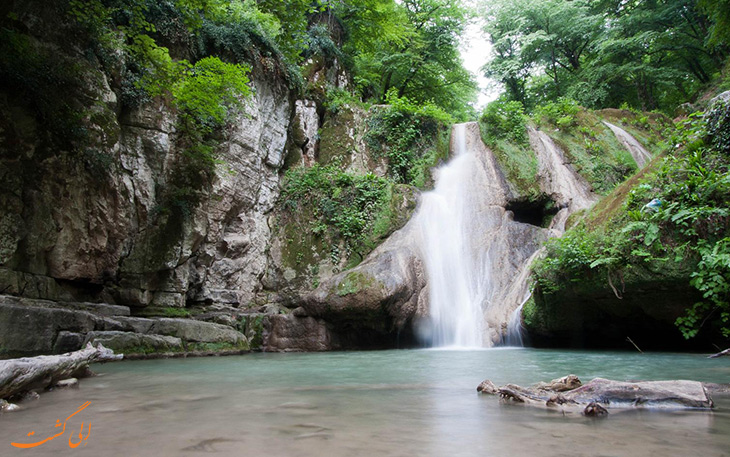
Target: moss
<point x="175" y="312"/>
<point x="327" y="215"/>
<point x="158" y="311"/>
<point x="530" y="314"/>
<point x="336" y="143"/>
<point x="253" y="328"/>
<point x="353" y="283"/>
<point x="520" y="165"/>
<point x="145" y="350"/>
<point x="215" y="347"/>
<point x="436" y="153"/>
<point x="612" y="205"/>
<point x="301" y="248"/>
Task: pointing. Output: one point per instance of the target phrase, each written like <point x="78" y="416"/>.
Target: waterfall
<point x="638" y="152"/>
<point x="455" y="264"/>
<point x="476" y="256"/>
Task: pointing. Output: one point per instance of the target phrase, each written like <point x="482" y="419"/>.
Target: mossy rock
<point x="353" y="283"/>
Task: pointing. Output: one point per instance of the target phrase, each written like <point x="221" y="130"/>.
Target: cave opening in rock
<point x="538" y="211"/>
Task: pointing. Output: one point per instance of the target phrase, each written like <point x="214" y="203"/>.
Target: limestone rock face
<point x="196" y="331"/>
<point x="30" y="327"/>
<point x="115" y="241"/>
<point x="305" y="128"/>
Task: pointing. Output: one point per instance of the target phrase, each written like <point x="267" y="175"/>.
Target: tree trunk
<point x="21" y="375"/>
<point x="724" y="353"/>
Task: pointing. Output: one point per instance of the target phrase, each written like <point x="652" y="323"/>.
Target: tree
<point x="423" y="63"/>
<point x="550" y="36"/>
<point x="650" y="53"/>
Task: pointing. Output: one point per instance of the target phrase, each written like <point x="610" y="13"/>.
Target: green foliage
<point x="210" y="92"/>
<point x="504" y="120"/>
<point x="712" y="278"/>
<point x="649" y="54"/>
<point x="292" y="16"/>
<point x="691" y="228"/>
<point x="412" y="47"/>
<point x="48" y="81"/>
<point x="566" y="259"/>
<point x="337" y="99"/>
<point x="719" y="13"/>
<point x="333" y="204"/>
<point x="318" y="42"/>
<point x="405" y="133"/>
<point x="561" y="113"/>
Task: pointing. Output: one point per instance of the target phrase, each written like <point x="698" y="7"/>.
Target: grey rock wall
<point x="73" y="231"/>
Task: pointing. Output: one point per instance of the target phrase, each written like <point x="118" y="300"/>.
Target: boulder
<point x="487" y="387"/>
<point x="289" y="333"/>
<point x="380" y="297"/>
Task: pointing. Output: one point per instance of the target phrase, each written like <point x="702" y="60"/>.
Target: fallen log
<point x="600" y="394"/>
<point x="28" y="373"/>
<point x="724" y="353"/>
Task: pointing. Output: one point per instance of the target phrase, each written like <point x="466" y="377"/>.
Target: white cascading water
<point x="638" y="152"/>
<point x="455" y="266"/>
<point x="476" y="256"/>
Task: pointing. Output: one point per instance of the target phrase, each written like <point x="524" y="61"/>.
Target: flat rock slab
<point x="198" y="331"/>
<point x="134" y="342"/>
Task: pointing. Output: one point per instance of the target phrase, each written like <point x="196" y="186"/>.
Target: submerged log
<point x="21" y="375"/>
<point x="605" y="393"/>
<point x="724" y="353"/>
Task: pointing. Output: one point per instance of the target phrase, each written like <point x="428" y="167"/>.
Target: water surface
<point x="391" y="403"/>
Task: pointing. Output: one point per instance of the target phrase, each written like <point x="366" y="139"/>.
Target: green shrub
<point x="210" y="92"/>
<point x="332" y="204"/>
<point x="406" y="134"/>
<point x="712" y="279"/>
<point x="561" y="113"/>
<point x="504" y="120"/>
<point x="689" y="230"/>
<point x="337" y="98"/>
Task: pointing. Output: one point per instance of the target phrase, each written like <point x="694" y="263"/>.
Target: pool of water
<point x="390" y="403"/>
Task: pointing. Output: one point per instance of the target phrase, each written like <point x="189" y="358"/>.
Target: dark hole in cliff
<point x="538" y="211"/>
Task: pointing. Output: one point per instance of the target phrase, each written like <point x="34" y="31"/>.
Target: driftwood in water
<point x="604" y="393"/>
<point x="21" y="375"/>
<point x="724" y="353"/>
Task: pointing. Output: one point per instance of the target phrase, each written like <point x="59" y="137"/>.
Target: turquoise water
<point x="390" y="403"/>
